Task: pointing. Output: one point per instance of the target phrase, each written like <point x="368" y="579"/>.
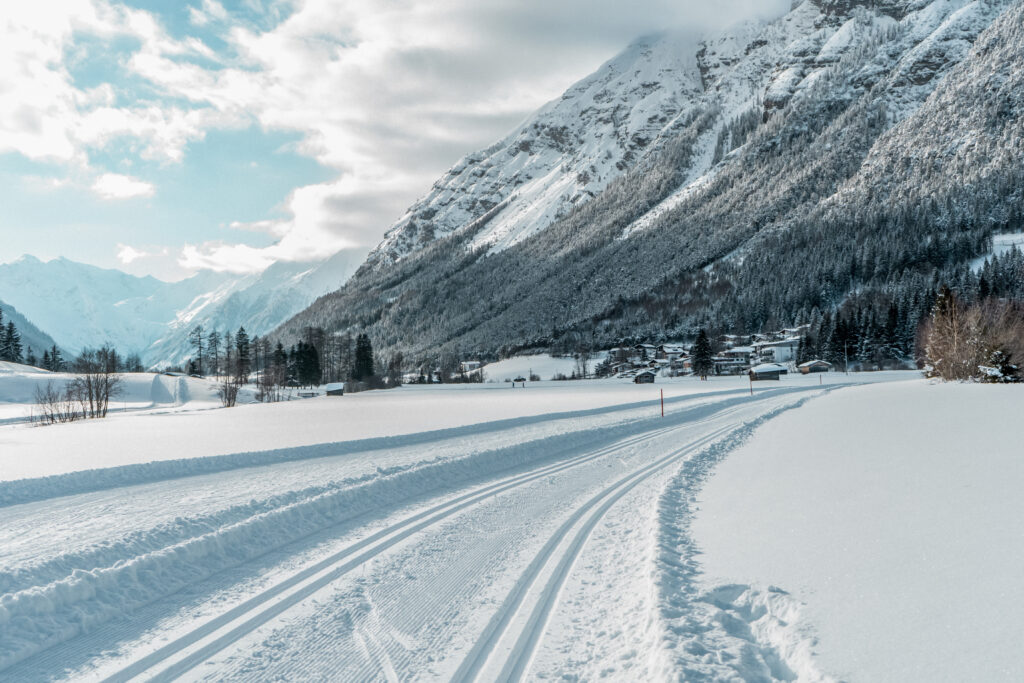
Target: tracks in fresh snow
<point x="187" y="651"/>
<point x="510" y="638"/>
<point x="476" y="571"/>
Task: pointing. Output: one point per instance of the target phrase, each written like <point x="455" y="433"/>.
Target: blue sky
<point x="167" y="137"/>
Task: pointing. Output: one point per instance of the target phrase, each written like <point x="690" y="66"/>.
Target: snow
<point x="146" y="393"/>
<point x="1000" y="245"/>
<point x="257" y="433"/>
<point x="886" y="520"/>
<point x="544" y="366"/>
<point x="857" y="527"/>
<point x="129" y="563"/>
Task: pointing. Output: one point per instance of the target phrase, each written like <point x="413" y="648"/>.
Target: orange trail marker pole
<point x="663" y="403"/>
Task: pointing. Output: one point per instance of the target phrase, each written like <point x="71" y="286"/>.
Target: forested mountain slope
<point x="856" y="149"/>
<point x="31" y="336"/>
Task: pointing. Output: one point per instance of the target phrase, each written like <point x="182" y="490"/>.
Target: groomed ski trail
<point x="495" y="622"/>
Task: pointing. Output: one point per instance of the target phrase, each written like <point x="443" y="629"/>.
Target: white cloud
<point x="222" y="257"/>
<point x="127" y="254"/>
<point x="391" y="94"/>
<point x="44" y="116"/>
<point x="387" y="94"/>
<point x="117" y="186"/>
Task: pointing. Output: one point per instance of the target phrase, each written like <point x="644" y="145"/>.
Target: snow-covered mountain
<point x="758" y="175"/>
<point x="82" y="305"/>
<point x="561" y="156"/>
<point x="629" y="109"/>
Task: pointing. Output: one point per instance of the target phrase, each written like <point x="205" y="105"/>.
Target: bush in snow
<point x="976" y="342"/>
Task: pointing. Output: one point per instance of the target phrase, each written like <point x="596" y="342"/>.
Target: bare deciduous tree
<point x="55" y="405"/>
<point x="96" y="380"/>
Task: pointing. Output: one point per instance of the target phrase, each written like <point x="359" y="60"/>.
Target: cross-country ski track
<point x="475" y="564"/>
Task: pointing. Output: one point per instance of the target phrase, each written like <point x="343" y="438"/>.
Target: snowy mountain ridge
<point x="561" y="156"/>
<point x="81" y="305"/>
<point x="613" y="121"/>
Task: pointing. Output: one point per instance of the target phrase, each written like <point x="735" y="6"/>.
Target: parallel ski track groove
<point x="387" y="537"/>
<point x="496" y="628"/>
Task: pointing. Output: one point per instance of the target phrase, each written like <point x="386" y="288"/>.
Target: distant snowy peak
<point x="82" y="305"/>
<point x="258" y="302"/>
<point x="564" y="154"/>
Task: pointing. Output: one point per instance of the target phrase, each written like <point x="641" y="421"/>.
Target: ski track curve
<point x="518" y="623"/>
<point x="312" y="579"/>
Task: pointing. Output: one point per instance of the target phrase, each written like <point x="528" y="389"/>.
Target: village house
<point x="645" y="351"/>
<point x="723" y="365"/>
<point x="619" y="354"/>
<point x="742" y="353"/>
<point x="814" y="366"/>
<point x="766" y="371"/>
<point x="781" y="351"/>
<point x="670" y="352"/>
<point x="645" y="377"/>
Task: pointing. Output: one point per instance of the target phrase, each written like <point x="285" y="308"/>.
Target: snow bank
<point x="139" y="392"/>
<point x="732" y="631"/>
<point x="40" y="488"/>
<point x="893" y="512"/>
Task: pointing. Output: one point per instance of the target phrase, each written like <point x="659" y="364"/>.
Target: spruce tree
<point x="195" y="337"/>
<point x="243" y="359"/>
<point x="362" y="366"/>
<point x="12" y="343"/>
<point x="702" y="362"/>
<point x="56" y="359"/>
<point x="213" y="342"/>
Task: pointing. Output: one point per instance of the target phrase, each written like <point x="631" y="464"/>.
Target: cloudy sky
<point x="166" y="137"/>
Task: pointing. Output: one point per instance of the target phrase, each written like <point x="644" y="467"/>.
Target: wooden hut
<point x="766" y="371"/>
<point x="814" y="366"/>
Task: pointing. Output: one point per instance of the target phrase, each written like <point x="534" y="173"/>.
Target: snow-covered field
<point x="144" y="392"/>
<point x="892" y="517"/>
<point x="542" y="366"/>
<point x="430" y="532"/>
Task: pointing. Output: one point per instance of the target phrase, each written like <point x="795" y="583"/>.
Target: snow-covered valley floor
<point x="429" y="533"/>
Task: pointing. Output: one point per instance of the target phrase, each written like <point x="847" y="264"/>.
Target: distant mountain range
<point x="862" y="149"/>
<point x="80" y="305"/>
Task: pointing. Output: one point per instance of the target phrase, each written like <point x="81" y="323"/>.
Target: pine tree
<point x="30" y="358"/>
<point x="243" y="359"/>
<point x="213" y="343"/>
<point x="362" y="366"/>
<point x="12" y="343"/>
<point x="701" y="361"/>
<point x="56" y="359"/>
<point x="195" y="337"/>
